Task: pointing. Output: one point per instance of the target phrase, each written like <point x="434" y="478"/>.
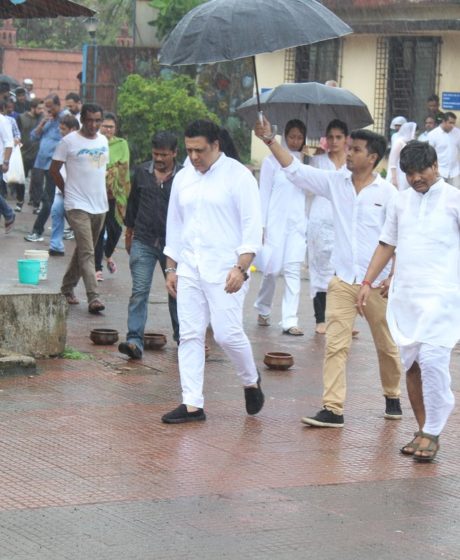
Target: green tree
<point x="170" y="12"/>
<point x="146" y="106"/>
<point x="70" y="33"/>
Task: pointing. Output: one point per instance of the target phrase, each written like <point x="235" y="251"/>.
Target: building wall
<point x="358" y="67"/>
<point x="449" y="79"/>
<point x="51" y="71"/>
<point x="145" y="35"/>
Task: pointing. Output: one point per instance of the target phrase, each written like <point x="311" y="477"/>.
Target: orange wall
<point x="51" y="71"/>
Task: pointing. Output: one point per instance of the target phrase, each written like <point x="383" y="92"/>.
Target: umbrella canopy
<point x="221" y="30"/>
<point x="314" y="104"/>
<point x="11" y="81"/>
<point x="42" y="9"/>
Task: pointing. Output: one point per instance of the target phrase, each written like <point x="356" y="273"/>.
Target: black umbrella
<point x="42" y="9"/>
<point x="314" y="104"/>
<point x="8" y="79"/>
<point x="221" y="30"/>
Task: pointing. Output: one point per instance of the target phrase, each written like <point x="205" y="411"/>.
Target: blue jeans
<point x="5" y="210"/>
<point x="57" y="224"/>
<point x="142" y="261"/>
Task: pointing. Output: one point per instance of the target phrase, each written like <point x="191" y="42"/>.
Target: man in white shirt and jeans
<point x="445" y="139"/>
<point x="6" y="147"/>
<point x="213" y="231"/>
<point x="359" y="200"/>
<point x="423" y="224"/>
<point x="85" y="154"/>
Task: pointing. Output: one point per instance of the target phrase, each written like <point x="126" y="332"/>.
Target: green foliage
<point x="70" y="33"/>
<point x="170" y="12"/>
<point x="72" y="354"/>
<point x="147" y="106"/>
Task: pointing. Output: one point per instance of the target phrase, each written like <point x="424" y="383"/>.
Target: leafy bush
<point x="147" y="106"/>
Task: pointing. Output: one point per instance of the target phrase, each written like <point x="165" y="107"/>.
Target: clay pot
<point x="104" y="337"/>
<point x="278" y="360"/>
<point x="154" y="341"/>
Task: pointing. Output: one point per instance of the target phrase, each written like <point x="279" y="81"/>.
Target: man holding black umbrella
<point x="359" y="200"/>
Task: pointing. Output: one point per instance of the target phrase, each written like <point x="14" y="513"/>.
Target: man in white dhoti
<point x="213" y="231"/>
<point x="423" y="226"/>
<point x="359" y="200"/>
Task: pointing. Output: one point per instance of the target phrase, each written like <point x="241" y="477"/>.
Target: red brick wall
<point x="51" y="71"/>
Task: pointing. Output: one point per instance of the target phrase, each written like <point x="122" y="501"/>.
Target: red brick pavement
<point x="87" y="433"/>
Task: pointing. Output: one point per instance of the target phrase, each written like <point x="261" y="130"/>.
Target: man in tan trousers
<point x="359" y="199"/>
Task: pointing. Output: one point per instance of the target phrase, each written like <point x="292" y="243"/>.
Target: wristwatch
<point x="170" y="269"/>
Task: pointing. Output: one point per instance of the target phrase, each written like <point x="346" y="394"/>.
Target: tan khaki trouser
<point x="340" y="316"/>
<point x="86" y="228"/>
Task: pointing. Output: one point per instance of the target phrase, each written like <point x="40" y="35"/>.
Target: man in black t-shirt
<point x="145" y="222"/>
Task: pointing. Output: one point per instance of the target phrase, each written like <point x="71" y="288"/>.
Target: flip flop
<point x="293" y="331"/>
<point x="111" y="267"/>
<point x="96" y="306"/>
<point x="71" y="299"/>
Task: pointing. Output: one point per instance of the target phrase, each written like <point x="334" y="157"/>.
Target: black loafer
<point x="254" y="398"/>
<point x="130" y="350"/>
<point x="180" y="415"/>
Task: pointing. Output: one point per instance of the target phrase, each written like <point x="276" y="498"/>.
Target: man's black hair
<point x="20" y="91"/>
<point x="35" y="102"/>
<point x="73" y="96"/>
<point x="338" y="124"/>
<point x="433" y="97"/>
<point x="449" y="115"/>
<point x="54" y="98"/>
<point x="164" y="140"/>
<point x="90" y="108"/>
<point x="70" y="122"/>
<point x="375" y="143"/>
<point x="296" y="123"/>
<point x="110" y="117"/>
<point x="203" y="127"/>
<point x="417" y="156"/>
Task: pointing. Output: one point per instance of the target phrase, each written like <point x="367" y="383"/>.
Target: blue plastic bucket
<point x="29" y="271"/>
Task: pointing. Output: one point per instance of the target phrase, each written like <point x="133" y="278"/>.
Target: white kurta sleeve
<point x="267" y="174"/>
<point x="309" y="179"/>
<point x="174" y="224"/>
<point x="248" y="201"/>
<point x="6" y="135"/>
<point x="389" y="234"/>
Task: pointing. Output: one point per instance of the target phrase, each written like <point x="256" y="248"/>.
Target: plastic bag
<point x="15" y="172"/>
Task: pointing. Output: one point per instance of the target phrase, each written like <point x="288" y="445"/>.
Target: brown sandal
<point x="412" y="445"/>
<point x="71" y="299"/>
<point x="431" y="449"/>
<point x="96" y="306"/>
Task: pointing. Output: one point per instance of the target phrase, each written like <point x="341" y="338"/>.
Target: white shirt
<point x="213" y="218"/>
<point x="358" y="218"/>
<point x="85" y="162"/>
<point x="424" y="299"/>
<point x="6" y="137"/>
<point x="447" y="146"/>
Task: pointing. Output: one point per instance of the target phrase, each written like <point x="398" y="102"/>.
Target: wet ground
<point x="88" y="471"/>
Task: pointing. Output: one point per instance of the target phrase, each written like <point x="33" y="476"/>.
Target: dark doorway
<point x="413" y="72"/>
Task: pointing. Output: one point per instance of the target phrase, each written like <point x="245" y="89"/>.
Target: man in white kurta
<point x="213" y="232"/>
<point x="445" y="139"/>
<point x="423" y="226"/>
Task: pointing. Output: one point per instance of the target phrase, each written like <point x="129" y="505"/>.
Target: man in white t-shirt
<point x="85" y="154"/>
<point x="445" y="139"/>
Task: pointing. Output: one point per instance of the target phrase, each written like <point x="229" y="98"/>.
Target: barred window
<point x="318" y="62"/>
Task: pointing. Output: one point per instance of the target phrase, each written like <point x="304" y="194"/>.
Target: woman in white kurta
<point x="283" y="215"/>
<point x="406" y="134"/>
<point x="320" y="229"/>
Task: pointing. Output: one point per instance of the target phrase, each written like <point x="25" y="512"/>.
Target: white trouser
<point x="437" y="395"/>
<point x="198" y="304"/>
<point x="291" y="296"/>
